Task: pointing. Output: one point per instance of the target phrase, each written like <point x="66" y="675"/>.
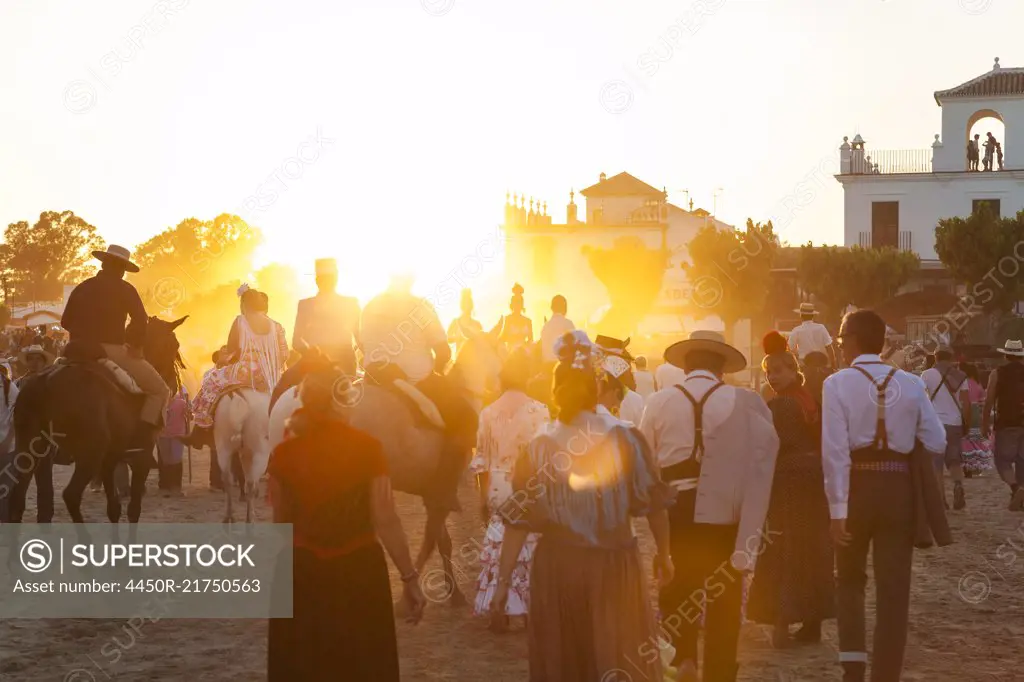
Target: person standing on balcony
<point x="999" y="155"/>
<point x="810" y="336"/>
<point x="990" y="148"/>
<point x="973" y="153"/>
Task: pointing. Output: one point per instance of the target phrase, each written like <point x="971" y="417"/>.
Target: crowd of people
<point x="761" y="507"/>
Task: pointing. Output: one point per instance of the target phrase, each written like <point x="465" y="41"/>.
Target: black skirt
<point x="343" y="625"/>
<point x="794" y="580"/>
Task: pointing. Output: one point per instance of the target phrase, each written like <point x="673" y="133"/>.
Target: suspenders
<point x="698" y="418"/>
<point x="942" y="382"/>
<point x="881" y="441"/>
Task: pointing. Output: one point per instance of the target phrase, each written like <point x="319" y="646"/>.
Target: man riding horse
<point x="95" y="315"/>
<point x="328" y="320"/>
<point x="402" y="338"/>
<point x="87" y="407"/>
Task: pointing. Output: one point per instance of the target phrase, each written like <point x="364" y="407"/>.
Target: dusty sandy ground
<point x="967" y="617"/>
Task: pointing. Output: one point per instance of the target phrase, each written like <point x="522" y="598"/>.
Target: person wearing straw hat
<point x="880" y="495"/>
<point x="328" y="320"/>
<point x="1006" y="396"/>
<point x="95" y="314"/>
<point x="810" y="336"/>
<point x="34" y="359"/>
<point x="716" y="446"/>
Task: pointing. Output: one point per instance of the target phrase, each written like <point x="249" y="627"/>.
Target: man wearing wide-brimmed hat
<point x="1006" y="395"/>
<point x="716" y="446"/>
<point x="810" y="336"/>
<point x="34" y="359"/>
<point x="95" y="313"/>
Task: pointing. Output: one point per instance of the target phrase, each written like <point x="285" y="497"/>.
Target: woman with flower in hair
<point x="579" y="485"/>
<point x="506" y="428"/>
<point x="793" y="582"/>
<point x="256" y="354"/>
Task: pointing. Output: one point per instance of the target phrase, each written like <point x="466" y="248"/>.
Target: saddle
<point x="391" y="378"/>
<point x="92" y="358"/>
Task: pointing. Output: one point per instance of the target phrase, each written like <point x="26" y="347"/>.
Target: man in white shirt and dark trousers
<point x="716" y="446"/>
<point x="947" y="389"/>
<point x="644" y="379"/>
<point x="873" y="416"/>
<point x="810" y="336"/>
<point x="558" y="326"/>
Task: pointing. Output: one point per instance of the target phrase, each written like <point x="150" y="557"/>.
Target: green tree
<point x="982" y="251"/>
<point x="837" y="276"/>
<point x="730" y="271"/>
<point x="194" y="257"/>
<point x="39" y="259"/>
<point x="632" y="273"/>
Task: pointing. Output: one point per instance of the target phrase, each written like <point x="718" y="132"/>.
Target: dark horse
<point x="77" y="414"/>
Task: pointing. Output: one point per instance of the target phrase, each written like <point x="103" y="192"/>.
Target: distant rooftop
<point x="998" y="82"/>
<point x="621" y="185"/>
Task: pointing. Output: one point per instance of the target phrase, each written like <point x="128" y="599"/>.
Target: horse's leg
<point x="140" y="466"/>
<point x="430" y="533"/>
<point x="110" y="488"/>
<point x="227" y="477"/>
<point x="22" y="469"/>
<point x="251" y="488"/>
<point x="444" y="547"/>
<point x="84" y="471"/>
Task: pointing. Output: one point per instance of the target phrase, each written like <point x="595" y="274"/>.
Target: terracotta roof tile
<point x="995" y="83"/>
<point x="621" y="185"/>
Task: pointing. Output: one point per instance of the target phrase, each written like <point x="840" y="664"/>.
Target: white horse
<point x="240" y="425"/>
<point x="413" y="450"/>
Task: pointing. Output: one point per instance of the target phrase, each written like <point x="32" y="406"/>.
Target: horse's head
<point x="162" y="349"/>
<point x="479" y="362"/>
<point x="313" y="360"/>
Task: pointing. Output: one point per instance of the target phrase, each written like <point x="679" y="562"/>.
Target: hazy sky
<point x="414" y="117"/>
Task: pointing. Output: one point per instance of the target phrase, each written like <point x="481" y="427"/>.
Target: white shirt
<point x="740" y="448"/>
<point x="558" y="326"/>
<point x="947" y="404"/>
<point x="667" y="375"/>
<point x="667" y="422"/>
<point x="850" y="413"/>
<point x="644" y="383"/>
<point x="632" y="408"/>
<point x="7" y="416"/>
<point x="808" y="337"/>
<point x="402" y="329"/>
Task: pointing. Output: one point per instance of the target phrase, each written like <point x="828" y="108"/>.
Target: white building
<point x="551" y="258"/>
<point x="896" y="197"/>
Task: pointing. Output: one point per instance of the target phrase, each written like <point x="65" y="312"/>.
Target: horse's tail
<point x="237" y="413"/>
